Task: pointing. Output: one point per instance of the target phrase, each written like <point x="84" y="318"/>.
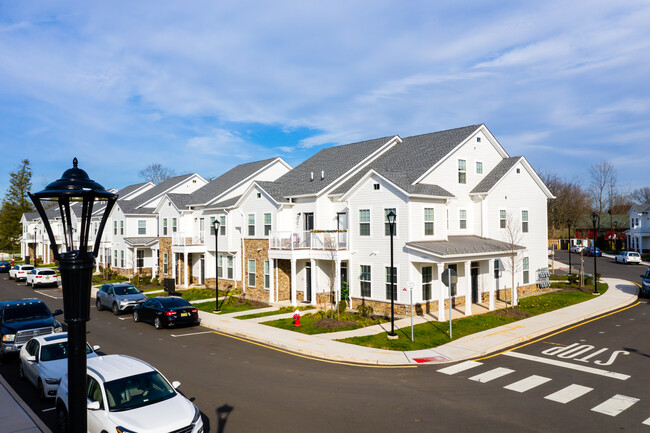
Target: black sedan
<point x="4" y="266"/>
<point x="166" y="311"/>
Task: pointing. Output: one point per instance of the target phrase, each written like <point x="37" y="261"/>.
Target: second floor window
<point x="502" y="219"/>
<point x="267" y="224"/>
<point x="121" y="227"/>
<point x="428" y="221"/>
<point x="164" y="227"/>
<point x="142" y="227"/>
<point x="462" y="171"/>
<point x="479" y="167"/>
<point x="212" y="226"/>
<point x="251" y="224"/>
<point x="462" y="217"/>
<point x="524" y="221"/>
<point x="114" y="227"/>
<point x="364" y="222"/>
<point x="174" y="225"/>
<point x="386" y="224"/>
<point x="365" y="280"/>
<point x="222" y="227"/>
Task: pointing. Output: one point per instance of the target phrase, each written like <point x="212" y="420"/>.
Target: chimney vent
<point x="322" y="174"/>
<point x="312" y="175"/>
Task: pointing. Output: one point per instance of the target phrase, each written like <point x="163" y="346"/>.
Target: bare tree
<point x="512" y="236"/>
<point x="641" y="195"/>
<point x="571" y="202"/>
<point x="603" y="186"/>
<point x="156" y="173"/>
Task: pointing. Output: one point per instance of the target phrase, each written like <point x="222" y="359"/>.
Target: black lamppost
<point x="615" y="235"/>
<point x="76" y="265"/>
<point x="216" y="224"/>
<point x="569" y="246"/>
<point x="391" y="223"/>
<point x="594" y="220"/>
<point x="35" y="245"/>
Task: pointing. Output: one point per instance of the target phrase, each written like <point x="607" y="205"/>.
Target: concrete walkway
<point x="15" y="415"/>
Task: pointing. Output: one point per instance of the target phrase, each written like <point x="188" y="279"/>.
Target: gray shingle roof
<point x="226" y="203"/>
<point x="405" y="162"/>
<point x="274" y="190"/>
<point x="181" y="201"/>
<point x="227" y="180"/>
<point x="143" y="241"/>
<point x="463" y="245"/>
<point x="495" y="175"/>
<point x="161" y="188"/>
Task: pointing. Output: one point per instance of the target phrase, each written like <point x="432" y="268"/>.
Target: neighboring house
<point x="638" y="236"/>
<point x="611" y="229"/>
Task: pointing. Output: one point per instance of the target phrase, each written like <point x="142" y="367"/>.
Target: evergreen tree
<point x="14" y="205"/>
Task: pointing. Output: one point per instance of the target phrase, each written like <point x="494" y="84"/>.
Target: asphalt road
<point x="243" y="387"/>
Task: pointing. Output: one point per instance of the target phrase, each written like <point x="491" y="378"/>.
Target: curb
<point x="28" y="411"/>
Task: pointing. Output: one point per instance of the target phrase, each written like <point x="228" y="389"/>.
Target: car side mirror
<point x="31" y="358"/>
<point x="57" y="312"/>
<point x="96" y="347"/>
<point x="176" y="384"/>
<point x="92" y="405"/>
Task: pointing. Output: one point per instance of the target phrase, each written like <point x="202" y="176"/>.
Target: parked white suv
<point x="42" y="277"/>
<point x="126" y="394"/>
<point x="628" y="257"/>
<point x="19" y="272"/>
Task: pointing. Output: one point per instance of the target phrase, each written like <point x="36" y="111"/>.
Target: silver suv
<point x="118" y="297"/>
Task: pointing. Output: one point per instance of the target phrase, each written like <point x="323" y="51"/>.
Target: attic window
<point x="518" y="171"/>
<point x="193" y="180"/>
<point x="375" y="187"/>
<point x="259" y="195"/>
<point x="478" y="139"/>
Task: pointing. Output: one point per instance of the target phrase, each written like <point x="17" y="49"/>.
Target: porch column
<point x="441" y="293"/>
<point x="186" y="270"/>
<point x="293" y="283"/>
<point x="314" y="281"/>
<point x="271" y="281"/>
<point x="468" y="289"/>
<point x="491" y="283"/>
<point x="337" y="278"/>
<point x="277" y="282"/>
<point x="154" y="266"/>
<point x="174" y="266"/>
<point x="135" y="260"/>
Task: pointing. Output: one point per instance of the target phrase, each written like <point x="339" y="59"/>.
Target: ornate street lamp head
<point x="216" y="224"/>
<point x="391" y="217"/>
<point x="594" y="218"/>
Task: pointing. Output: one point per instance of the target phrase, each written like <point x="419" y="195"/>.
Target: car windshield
<point x="23" y="312"/>
<point x="126" y="290"/>
<point x="174" y="302"/>
<point x="137" y="391"/>
<point x="52" y="352"/>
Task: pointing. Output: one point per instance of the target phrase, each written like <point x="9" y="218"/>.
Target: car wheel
<point x="136" y="316"/>
<point x="21" y="371"/>
<point x="26" y="283"/>
<point x="61" y="419"/>
<point x="157" y="323"/>
<point x="41" y="390"/>
<point x="99" y="305"/>
<point x="116" y="310"/>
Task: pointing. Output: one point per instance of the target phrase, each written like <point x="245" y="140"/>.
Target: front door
<point x="308" y="281"/>
<point x="342" y="224"/>
<point x="309" y="221"/>
<point x="475" y="267"/>
<point x="345" y="294"/>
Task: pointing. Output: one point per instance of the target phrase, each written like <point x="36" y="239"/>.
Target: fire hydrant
<point x="296" y="318"/>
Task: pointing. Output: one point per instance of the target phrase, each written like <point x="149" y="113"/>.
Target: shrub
<point x="343" y="306"/>
<point x="365" y="310"/>
<point x="319" y="315"/>
<point x="573" y="278"/>
<point x="136" y="280"/>
<point x="146" y="281"/>
<point x="155" y="281"/>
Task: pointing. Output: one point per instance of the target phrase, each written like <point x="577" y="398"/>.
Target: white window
<point x="220" y="260"/>
<point x="366" y="279"/>
<point x="251" y="224"/>
<point x="462" y="218"/>
<point x="122" y="259"/>
<point x="462" y="171"/>
<point x="267" y="224"/>
<point x="174" y="225"/>
<point x="390" y="286"/>
<point x="267" y="275"/>
<point x="222" y="227"/>
<point x="140" y="259"/>
<point x="524" y="221"/>
<point x="479" y="167"/>
<point x="142" y="227"/>
<point x="386" y="223"/>
<point x="115" y="257"/>
<point x="427" y="277"/>
<point x="230" y="267"/>
<point x="502" y="218"/>
<point x="121" y="227"/>
<point x="165" y="263"/>
<point x="115" y="227"/>
<point x="164" y="227"/>
<point x="251" y="273"/>
<point x="428" y="221"/>
<point x="497" y="269"/>
<point x="212" y="226"/>
<point x="525" y="267"/>
<point x="364" y="222"/>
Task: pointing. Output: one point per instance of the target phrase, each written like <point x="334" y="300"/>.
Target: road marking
<point x="191" y="333"/>
<point x="527" y="384"/>
<point x="460" y="367"/>
<point x="49" y="409"/>
<point x="569" y="393"/>
<point x="124" y="318"/>
<point x="647" y="422"/>
<point x="491" y="375"/>
<point x="615" y="405"/>
<point x="49" y="296"/>
<point x="568" y="365"/>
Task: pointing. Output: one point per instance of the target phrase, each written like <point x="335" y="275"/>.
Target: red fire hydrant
<point x="296" y="318"/>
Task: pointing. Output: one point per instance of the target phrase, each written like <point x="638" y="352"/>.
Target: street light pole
<point x="216" y="224"/>
<point x="594" y="219"/>
<point x="35" y="245"/>
<point x="391" y="222"/>
<point x="76" y="265"/>
<point x="569" y="246"/>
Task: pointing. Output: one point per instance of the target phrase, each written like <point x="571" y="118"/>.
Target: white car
<point x="44" y="361"/>
<point x="19" y="272"/>
<point x="628" y="257"/>
<point x="126" y="394"/>
<point x="41" y="277"/>
<point x="577" y="248"/>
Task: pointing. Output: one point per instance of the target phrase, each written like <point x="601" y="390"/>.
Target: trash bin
<point x="169" y="285"/>
<point x="27" y="260"/>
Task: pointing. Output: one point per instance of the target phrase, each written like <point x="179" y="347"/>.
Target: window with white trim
<point x="267" y="274"/>
<point x="251" y="273"/>
<point x="121" y="227"/>
<point x="462" y="219"/>
<point x="115" y="227"/>
<point x="462" y="171"/>
<point x="165" y="263"/>
<point x="251" y="224"/>
<point x="390" y="286"/>
<point x="479" y="167"/>
<point x="267" y="224"/>
<point x="122" y="259"/>
<point x="230" y="270"/>
<point x="524" y="221"/>
<point x="222" y="227"/>
<point x="174" y="225"/>
<point x="525" y="267"/>
<point x="220" y="260"/>
<point x="365" y="279"/>
<point x="427" y="277"/>
<point x="142" y="227"/>
<point x="502" y="219"/>
<point x="428" y="221"/>
<point x="364" y="222"/>
<point x="164" y="227"/>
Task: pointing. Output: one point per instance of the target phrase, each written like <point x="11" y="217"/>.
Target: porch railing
<point x="184" y="239"/>
<point x="309" y="240"/>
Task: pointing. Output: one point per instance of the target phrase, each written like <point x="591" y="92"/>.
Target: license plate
<point x="185" y="314"/>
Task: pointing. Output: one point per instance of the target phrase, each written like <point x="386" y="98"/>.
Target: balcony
<point x="188" y="239"/>
<point x="319" y="240"/>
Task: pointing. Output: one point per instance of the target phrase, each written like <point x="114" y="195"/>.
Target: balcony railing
<point x="186" y="239"/>
<point x="309" y="240"/>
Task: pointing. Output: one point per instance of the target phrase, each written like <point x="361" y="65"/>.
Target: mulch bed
<point x="511" y="312"/>
<point x="329" y="323"/>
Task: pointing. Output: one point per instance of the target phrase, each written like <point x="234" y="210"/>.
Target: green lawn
<point x="433" y="334"/>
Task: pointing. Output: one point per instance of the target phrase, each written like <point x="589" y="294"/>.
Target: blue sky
<point x="201" y="86"/>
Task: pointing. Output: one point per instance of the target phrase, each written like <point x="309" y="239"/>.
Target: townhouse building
<point x="638" y="235"/>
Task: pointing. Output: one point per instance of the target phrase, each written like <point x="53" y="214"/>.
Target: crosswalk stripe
<point x="460" y="367"/>
<point x="569" y="393"/>
<point x="527" y="383"/>
<point x="615" y="405"/>
<point x="647" y="422"/>
<point x="491" y="375"/>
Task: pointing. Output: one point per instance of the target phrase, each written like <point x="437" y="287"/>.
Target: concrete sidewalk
<point x="620" y="294"/>
<point x="15" y="415"/>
